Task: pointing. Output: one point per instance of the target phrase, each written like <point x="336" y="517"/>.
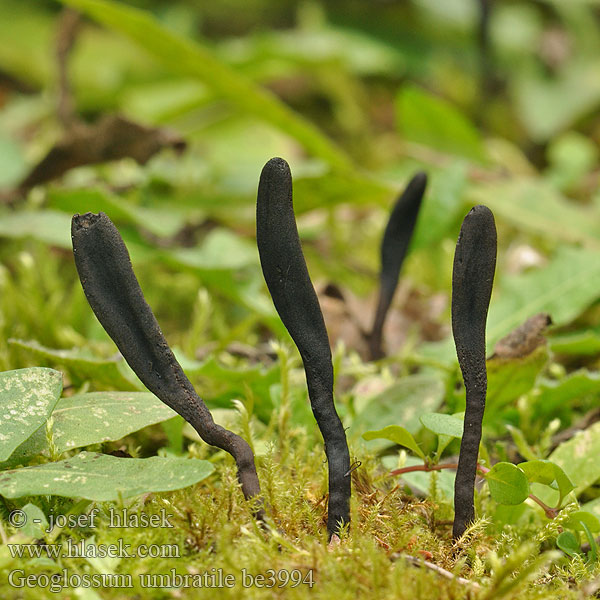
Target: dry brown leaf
<point x="113" y="137"/>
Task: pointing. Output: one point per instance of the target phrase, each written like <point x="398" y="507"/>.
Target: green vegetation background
<point x="500" y="110"/>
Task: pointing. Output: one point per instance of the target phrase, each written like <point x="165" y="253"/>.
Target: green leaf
<point x="533" y="205"/>
<point x="540" y="471"/>
<point x="317" y="192"/>
<point x="221" y="250"/>
<point x="579" y="343"/>
<point x="547" y="473"/>
<point x="578" y="457"/>
<point x="507" y="483"/>
<point x="442" y="206"/>
<point x="48" y="226"/>
<point x="161" y="221"/>
<point x="403" y="402"/>
<point x="523" y="447"/>
<point x="27" y="397"/>
<point x="12" y="162"/>
<point x="36" y="522"/>
<point x="434" y="122"/>
<point x="185" y="57"/>
<point x="547" y="105"/>
<point x="510" y="378"/>
<point x="564" y="288"/>
<point x="219" y="384"/>
<point x="81" y="366"/>
<point x="568" y="543"/>
<point x="103" y="478"/>
<point x="398" y="435"/>
<point x="552" y="395"/>
<point x="443" y="424"/>
<point x="96" y="417"/>
<point x="593" y="553"/>
<point x="593" y="507"/>
<point x="580" y="517"/>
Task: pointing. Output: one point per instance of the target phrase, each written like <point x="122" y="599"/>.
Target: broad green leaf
<point x="547" y="105"/>
<point x="403" y="402"/>
<point x="398" y="435"/>
<point x="12" y="162"/>
<point x="507" y="483"/>
<point x="173" y="429"/>
<point x="571" y="156"/>
<point x="443" y="424"/>
<point x="83" y="367"/>
<point x="27" y="397"/>
<point x="159" y="101"/>
<point x="552" y="395"/>
<point x="329" y="189"/>
<point x="218" y="384"/>
<point x="579" y="343"/>
<point x="581" y="516"/>
<point x="442" y="206"/>
<point x="533" y="205"/>
<point x="592" y="507"/>
<point x="96" y="417"/>
<point x="220" y="250"/>
<point x="186" y="57"/>
<point x="578" y="457"/>
<point x="161" y="221"/>
<point x="539" y="471"/>
<point x="48" y="226"/>
<point x="94" y="200"/>
<point x="351" y="49"/>
<point x="563" y="288"/>
<point x="434" y="122"/>
<point x="567" y="542"/>
<point x="547" y="473"/>
<point x="523" y="447"/>
<point x="564" y="484"/>
<point x="510" y="378"/>
<point x="36" y="523"/>
<point x="103" y="478"/>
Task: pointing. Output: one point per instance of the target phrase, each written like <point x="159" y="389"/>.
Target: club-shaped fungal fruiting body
<point x="472" y="280"/>
<point x="287" y="278"/>
<point x="394" y="247"/>
<point x="116" y="298"/>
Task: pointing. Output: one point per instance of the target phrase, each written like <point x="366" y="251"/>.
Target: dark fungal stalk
<point x="472" y="280"/>
<point x="394" y="247"/>
<point x="287" y="278"/>
<point x="116" y="298"/>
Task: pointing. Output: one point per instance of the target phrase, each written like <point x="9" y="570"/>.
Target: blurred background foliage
<point x="496" y="100"/>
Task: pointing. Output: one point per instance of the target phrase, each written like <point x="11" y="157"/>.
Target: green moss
<point x="212" y="533"/>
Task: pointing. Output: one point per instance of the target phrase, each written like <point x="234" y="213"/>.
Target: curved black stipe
<point x="116" y="298"/>
<point x="287" y="278"/>
<point x="394" y="246"/>
<point x="472" y="280"/>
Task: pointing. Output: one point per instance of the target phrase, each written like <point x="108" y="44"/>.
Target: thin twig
<point x="419" y="562"/>
<point x="68" y="29"/>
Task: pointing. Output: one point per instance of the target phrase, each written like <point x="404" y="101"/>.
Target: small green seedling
<point x="569" y="541"/>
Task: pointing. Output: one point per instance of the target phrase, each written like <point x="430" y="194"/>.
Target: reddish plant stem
<point x="551" y="513"/>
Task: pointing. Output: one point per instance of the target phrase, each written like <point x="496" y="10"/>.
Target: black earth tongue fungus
<point x="472" y="280"/>
<point x="394" y="247"/>
<point x="116" y="298"/>
<point x="287" y="278"/>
